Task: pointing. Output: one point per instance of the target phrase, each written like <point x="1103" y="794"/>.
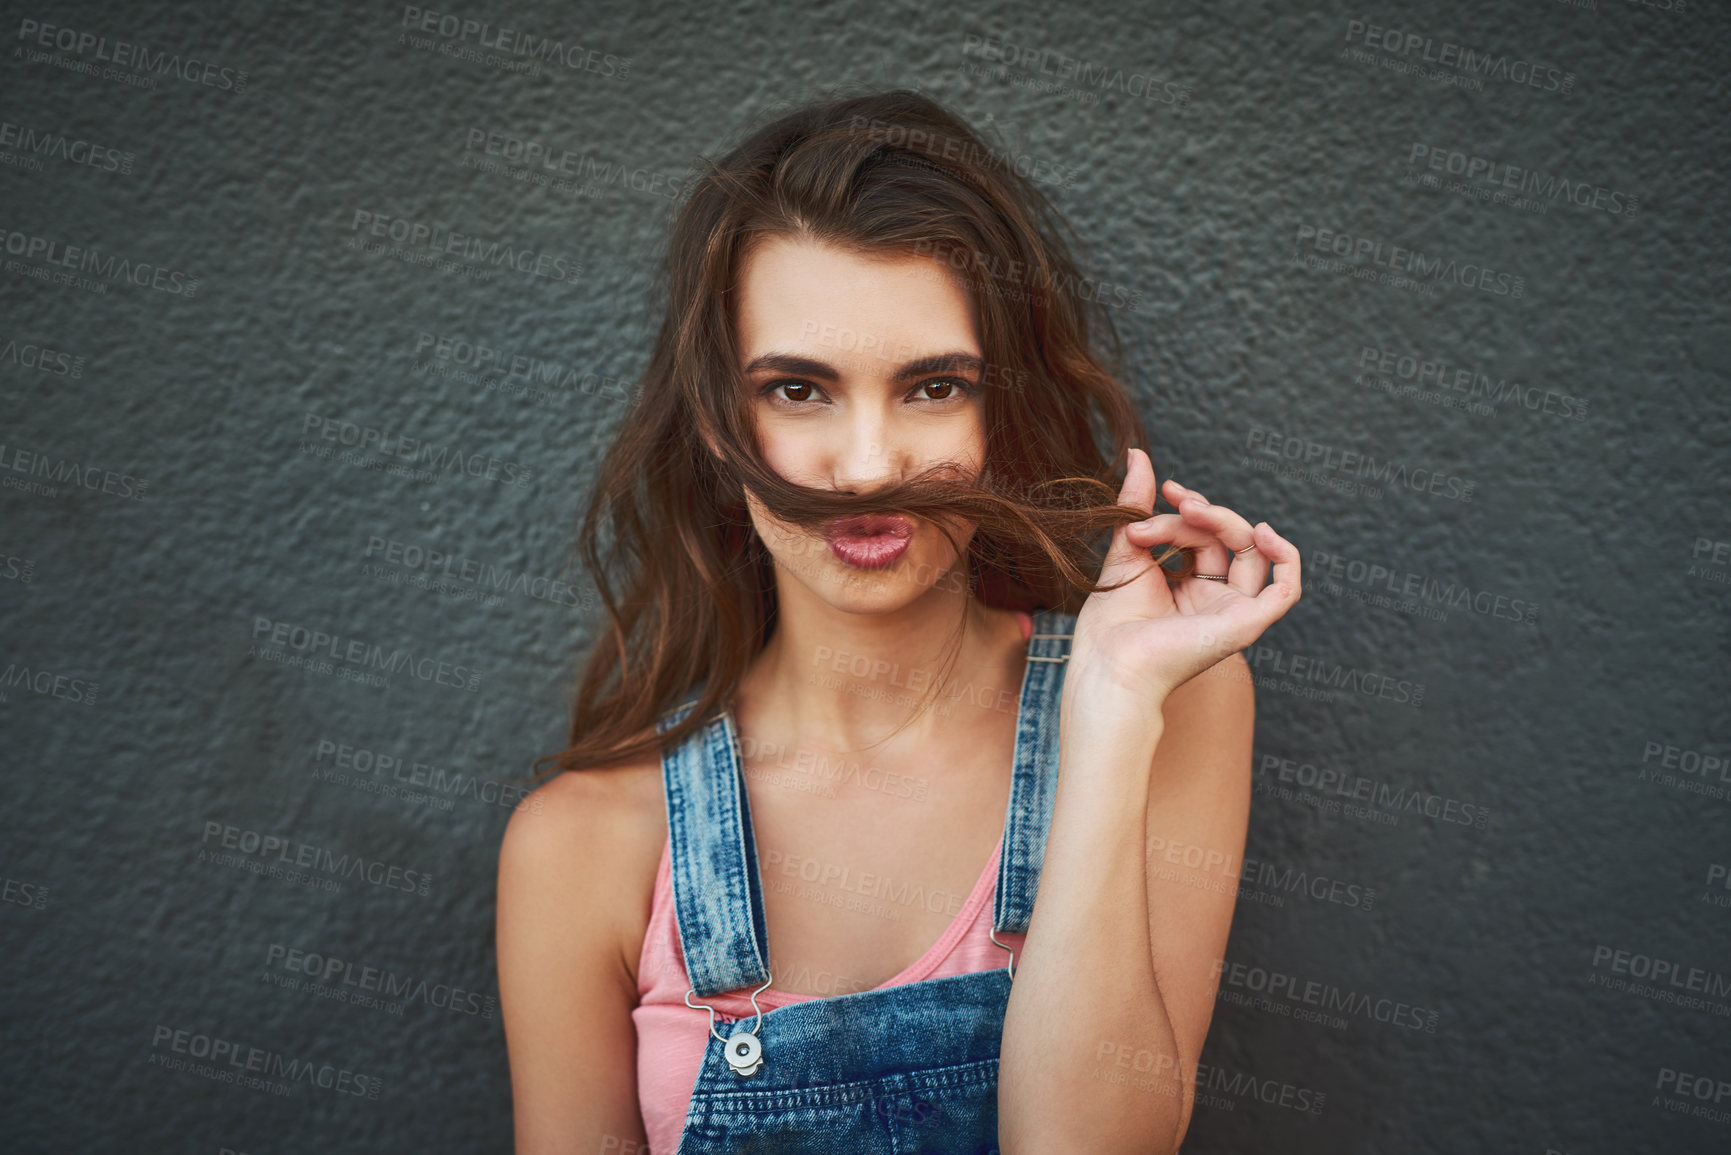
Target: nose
<point x="865" y="461"/>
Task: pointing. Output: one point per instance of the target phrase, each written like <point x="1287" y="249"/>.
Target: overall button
<point x="744" y="1053"/>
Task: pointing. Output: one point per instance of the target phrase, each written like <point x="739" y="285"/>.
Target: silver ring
<point x="1210" y="577"/>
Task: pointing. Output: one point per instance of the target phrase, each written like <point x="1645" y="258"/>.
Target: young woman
<point x="883" y="825"/>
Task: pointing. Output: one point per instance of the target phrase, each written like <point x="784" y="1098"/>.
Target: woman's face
<point x="862" y="372"/>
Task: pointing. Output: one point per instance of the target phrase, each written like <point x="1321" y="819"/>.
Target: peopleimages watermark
<point x="1694" y="771"/>
<point x="1362" y="254"/>
<point x="1663" y="980"/>
<point x="520" y="375"/>
<point x="965" y="152"/>
<point x="526" y="46"/>
<point x="1316" y="456"/>
<point x="1254" y="879"/>
<point x="16" y="568"/>
<point x="1718" y="874"/>
<point x="43" y="358"/>
<point x="1316" y="1001"/>
<point x="443" y="242"/>
<point x="357" y="657"/>
<point x="105" y="267"/>
<point x="869" y="345"/>
<point x="33" y="144"/>
<point x="863" y="892"/>
<point x="1392" y="587"/>
<point x="1161" y="1068"/>
<point x="1336" y="791"/>
<point x="34" y="463"/>
<point x="1001" y="277"/>
<point x="1462" y="58"/>
<point x="327" y="976"/>
<point x="1278" y="880"/>
<point x="257" y="851"/>
<point x="1507" y="177"/>
<point x="543" y="163"/>
<point x="820" y="773"/>
<point x="1711" y="559"/>
<point x="232" y="1062"/>
<point x="430" y="564"/>
<point x="123" y="54"/>
<point x="427" y="457"/>
<point x="27" y="894"/>
<point x="1700" y="1088"/>
<point x="393" y="775"/>
<point x="1086" y="74"/>
<point x="914" y="679"/>
<point x="1421" y="375"/>
<point x="1271" y="662"/>
<point x="1237" y="669"/>
<point x="48" y="684"/>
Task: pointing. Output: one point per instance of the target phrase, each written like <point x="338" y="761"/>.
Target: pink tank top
<point x="671" y="1036"/>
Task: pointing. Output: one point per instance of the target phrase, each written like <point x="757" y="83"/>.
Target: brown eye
<point x="950" y="386"/>
<point x="792" y="398"/>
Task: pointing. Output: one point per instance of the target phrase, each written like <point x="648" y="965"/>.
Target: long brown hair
<point x="890" y="173"/>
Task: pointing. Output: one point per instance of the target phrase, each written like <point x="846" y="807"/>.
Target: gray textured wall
<point x="1565" y="724"/>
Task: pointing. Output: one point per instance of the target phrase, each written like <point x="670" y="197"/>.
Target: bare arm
<point x="564" y="990"/>
<point x="1115" y="984"/>
<point x="1198" y="818"/>
<point x="1113" y="997"/>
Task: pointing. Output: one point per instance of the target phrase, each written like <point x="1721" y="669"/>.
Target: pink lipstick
<point x="870" y="542"/>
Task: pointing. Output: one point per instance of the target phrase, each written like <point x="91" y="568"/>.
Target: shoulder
<point x="616" y="798"/>
<point x="573" y="812"/>
<point x="582" y="850"/>
<point x="576" y="877"/>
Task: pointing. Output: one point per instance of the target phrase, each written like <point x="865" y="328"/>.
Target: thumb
<point x="1138" y="488"/>
<point x="1124" y="558"/>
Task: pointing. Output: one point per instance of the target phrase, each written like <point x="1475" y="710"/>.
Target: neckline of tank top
<point x="929" y="961"/>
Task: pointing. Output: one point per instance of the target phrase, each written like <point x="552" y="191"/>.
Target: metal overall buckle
<point x="744" y="1051"/>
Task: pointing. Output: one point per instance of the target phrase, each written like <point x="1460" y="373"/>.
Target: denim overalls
<point x="909" y="1068"/>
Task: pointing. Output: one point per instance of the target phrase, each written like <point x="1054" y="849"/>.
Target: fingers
<point x="1232" y="529"/>
<point x="1239" y="621"/>
<point x="1138" y="488"/>
<point x="1125" y="556"/>
<point x="1218" y="534"/>
<point x="1287" y="585"/>
<point x="1227" y="537"/>
<point x="1164" y="528"/>
<point x="1225" y="543"/>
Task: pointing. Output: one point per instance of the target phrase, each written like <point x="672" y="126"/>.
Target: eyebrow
<point x="954" y="362"/>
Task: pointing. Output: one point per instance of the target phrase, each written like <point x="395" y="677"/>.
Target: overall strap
<point x="1034" y="778"/>
<point x="716" y="895"/>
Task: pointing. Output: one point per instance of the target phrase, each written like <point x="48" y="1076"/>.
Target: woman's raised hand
<point x="1153" y="634"/>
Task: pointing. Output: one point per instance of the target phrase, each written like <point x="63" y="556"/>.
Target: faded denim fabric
<point x="909" y="1068"/>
